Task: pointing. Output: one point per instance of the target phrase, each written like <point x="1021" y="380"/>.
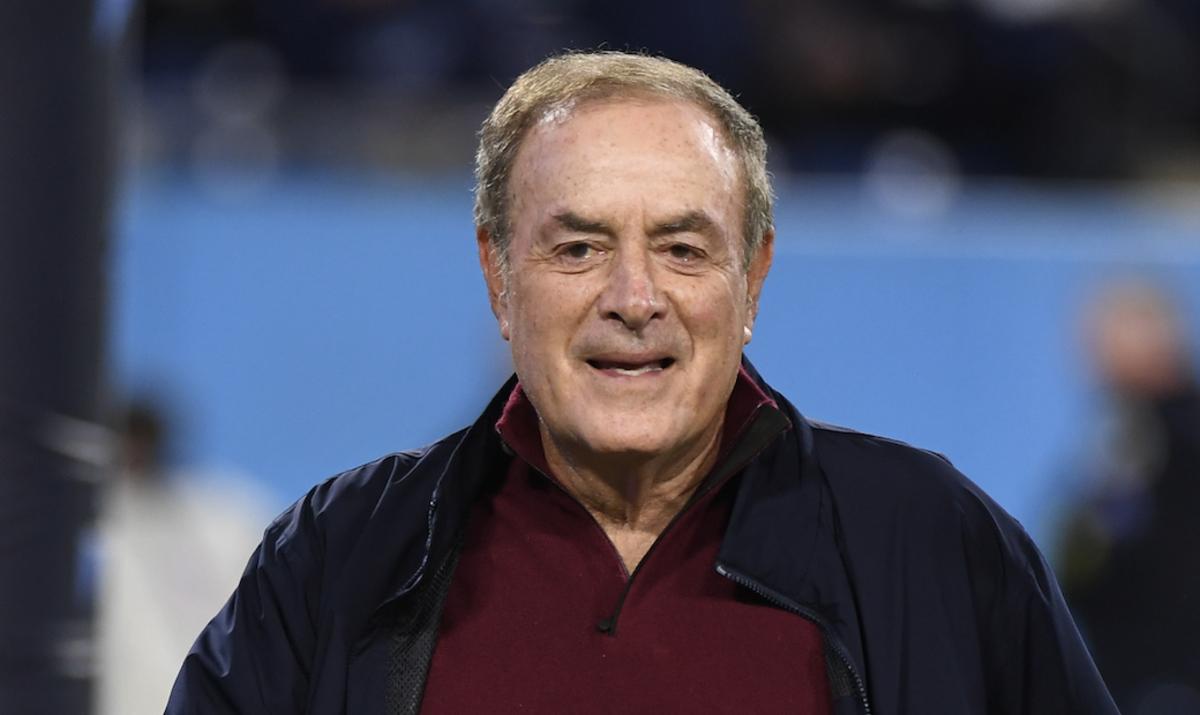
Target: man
<point x="638" y="522"/>
<point x="1122" y="541"/>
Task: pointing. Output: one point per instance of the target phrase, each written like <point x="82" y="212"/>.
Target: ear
<point x="493" y="275"/>
<point x="756" y="275"/>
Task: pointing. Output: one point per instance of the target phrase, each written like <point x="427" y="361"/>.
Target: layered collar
<point x="781" y="537"/>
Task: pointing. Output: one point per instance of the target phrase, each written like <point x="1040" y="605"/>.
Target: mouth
<point x="630" y="366"/>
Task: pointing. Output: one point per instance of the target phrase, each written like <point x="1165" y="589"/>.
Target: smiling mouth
<point x="631" y="369"/>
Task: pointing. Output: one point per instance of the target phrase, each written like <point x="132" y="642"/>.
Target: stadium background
<point x="287" y="276"/>
<point x="293" y="257"/>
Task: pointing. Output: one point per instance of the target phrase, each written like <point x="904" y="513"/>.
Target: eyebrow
<point x="574" y="222"/>
<point x="688" y="222"/>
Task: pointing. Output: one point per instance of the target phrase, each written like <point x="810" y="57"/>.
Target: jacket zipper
<point x="789" y="605"/>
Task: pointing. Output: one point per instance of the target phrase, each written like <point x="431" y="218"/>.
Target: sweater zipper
<point x="787" y="604"/>
<point x="608" y="625"/>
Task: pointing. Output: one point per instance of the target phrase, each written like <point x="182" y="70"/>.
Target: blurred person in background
<point x="638" y="522"/>
<point x="170" y="546"/>
<point x="1129" y="553"/>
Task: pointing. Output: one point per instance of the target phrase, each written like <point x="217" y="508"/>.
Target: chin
<point x="631" y="434"/>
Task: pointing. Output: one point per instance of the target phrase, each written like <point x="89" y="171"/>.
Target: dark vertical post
<point x="56" y="167"/>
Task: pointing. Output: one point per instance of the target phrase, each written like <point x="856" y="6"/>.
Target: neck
<point x="632" y="494"/>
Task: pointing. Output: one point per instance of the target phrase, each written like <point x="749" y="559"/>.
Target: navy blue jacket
<point x="930" y="597"/>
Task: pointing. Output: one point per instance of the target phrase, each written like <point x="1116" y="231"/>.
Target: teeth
<point x="633" y="372"/>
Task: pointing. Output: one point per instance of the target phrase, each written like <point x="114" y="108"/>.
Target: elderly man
<point x="638" y="522"/>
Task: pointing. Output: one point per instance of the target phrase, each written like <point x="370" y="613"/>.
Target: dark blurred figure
<point x="141" y="448"/>
<point x="58" y="114"/>
<point x="1129" y="553"/>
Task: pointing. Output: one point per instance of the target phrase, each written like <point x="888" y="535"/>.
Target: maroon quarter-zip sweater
<point x="541" y="615"/>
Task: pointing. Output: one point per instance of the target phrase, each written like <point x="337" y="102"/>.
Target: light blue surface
<point x="330" y="319"/>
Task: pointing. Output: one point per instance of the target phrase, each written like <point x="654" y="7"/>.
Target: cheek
<point x="544" y="314"/>
<point x="715" y="314"/>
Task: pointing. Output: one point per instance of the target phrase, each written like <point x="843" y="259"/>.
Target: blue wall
<point x="327" y="319"/>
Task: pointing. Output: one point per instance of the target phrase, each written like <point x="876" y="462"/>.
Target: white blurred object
<point x="236" y="153"/>
<point x="913" y="174"/>
<point x="240" y="83"/>
<point x="172" y="551"/>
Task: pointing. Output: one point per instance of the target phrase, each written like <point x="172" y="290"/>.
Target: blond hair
<point x="567" y="80"/>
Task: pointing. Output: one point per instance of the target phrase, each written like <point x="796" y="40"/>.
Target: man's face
<point x="627" y="302"/>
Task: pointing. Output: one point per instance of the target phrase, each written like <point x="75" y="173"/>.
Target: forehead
<point x="614" y="148"/>
<point x="585" y="114"/>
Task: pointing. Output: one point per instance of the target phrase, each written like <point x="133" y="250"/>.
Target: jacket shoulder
<point x="263" y="650"/>
<point x="917" y="492"/>
<point x="886" y="490"/>
<point x="330" y="515"/>
<point x="908" y="510"/>
<point x="888" y="467"/>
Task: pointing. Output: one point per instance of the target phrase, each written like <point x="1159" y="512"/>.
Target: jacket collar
<point x="782" y="534"/>
<point x="419" y="517"/>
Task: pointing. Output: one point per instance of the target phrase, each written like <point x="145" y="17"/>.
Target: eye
<point x="684" y="253"/>
<point x="578" y="253"/>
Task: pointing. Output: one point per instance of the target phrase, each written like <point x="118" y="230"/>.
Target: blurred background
<point x="237" y="256"/>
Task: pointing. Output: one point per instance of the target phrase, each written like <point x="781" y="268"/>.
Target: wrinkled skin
<point x="628" y="300"/>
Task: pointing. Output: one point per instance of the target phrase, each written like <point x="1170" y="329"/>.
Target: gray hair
<point x="570" y="79"/>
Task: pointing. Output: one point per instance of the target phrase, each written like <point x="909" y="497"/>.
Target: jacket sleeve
<point x="255" y="655"/>
<point x="1038" y="662"/>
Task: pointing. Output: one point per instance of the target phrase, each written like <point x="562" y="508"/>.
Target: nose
<point x="631" y="295"/>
